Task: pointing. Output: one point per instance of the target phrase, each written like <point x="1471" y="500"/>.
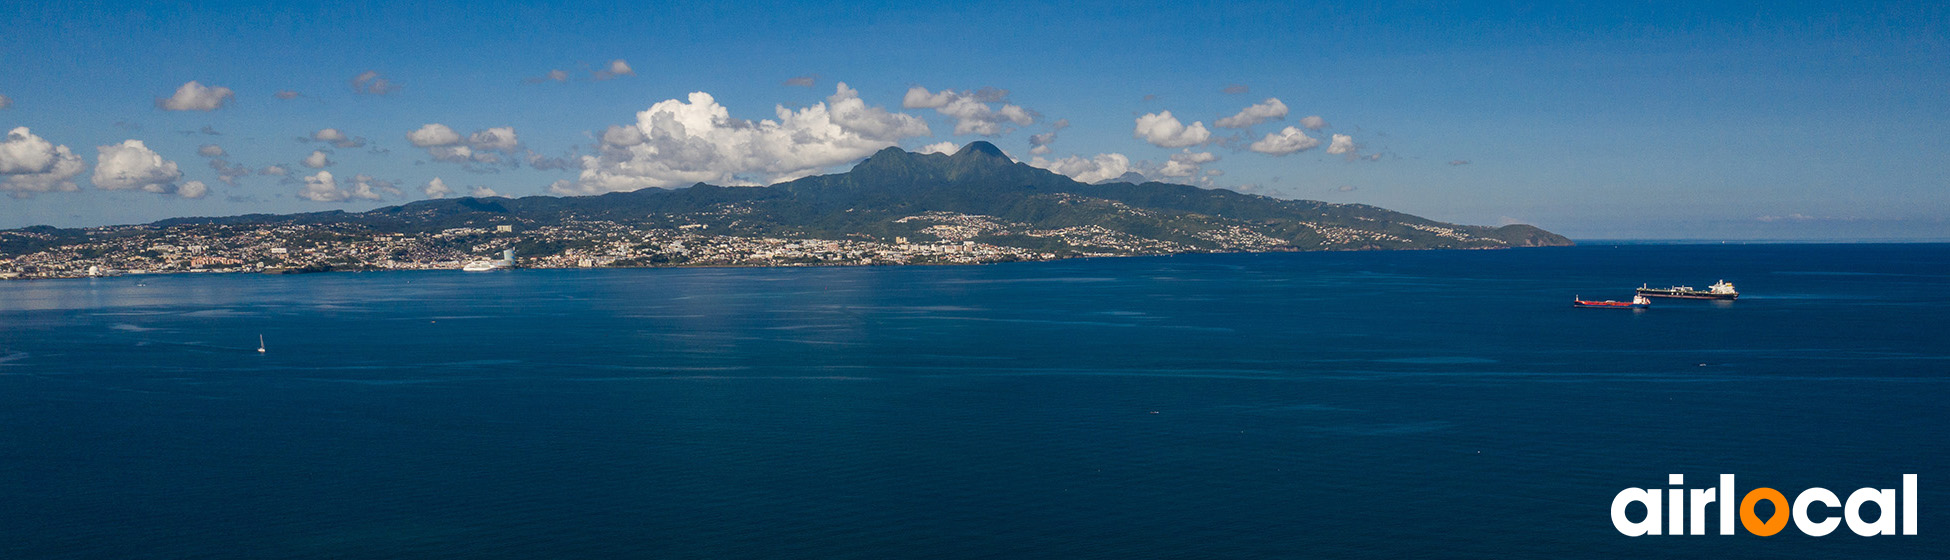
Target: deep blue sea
<point x="1308" y="405"/>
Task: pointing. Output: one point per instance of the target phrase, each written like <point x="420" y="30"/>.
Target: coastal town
<point x="941" y="238"/>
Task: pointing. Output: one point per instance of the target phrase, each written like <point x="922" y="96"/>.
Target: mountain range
<point x="977" y="194"/>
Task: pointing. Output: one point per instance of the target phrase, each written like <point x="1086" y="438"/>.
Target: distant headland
<point x="896" y="207"/>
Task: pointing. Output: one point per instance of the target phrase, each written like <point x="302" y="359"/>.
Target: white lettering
<point x="1806" y="525"/>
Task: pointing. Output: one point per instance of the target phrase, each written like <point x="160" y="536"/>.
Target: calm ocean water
<point x="1356" y="405"/>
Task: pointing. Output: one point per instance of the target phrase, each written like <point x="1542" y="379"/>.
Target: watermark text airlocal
<point x="1682" y="511"/>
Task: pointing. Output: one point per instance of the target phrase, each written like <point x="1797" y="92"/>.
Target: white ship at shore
<point x="507" y="260"/>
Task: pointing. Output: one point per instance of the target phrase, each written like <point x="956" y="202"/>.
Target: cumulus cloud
<point x="1288" y="140"/>
<point x="322" y="187"/>
<point x="853" y="115"/>
<point x="434" y="134"/>
<point x="437" y="189"/>
<point x="285" y="94"/>
<point x="274" y="170"/>
<point x="1313" y="122"/>
<point x="680" y="142"/>
<point x="805" y="81"/>
<point x="210" y="150"/>
<point x="1236" y="89"/>
<point x="1347" y="188"/>
<point x="1187" y="163"/>
<point x="971" y="109"/>
<point x="1095" y="169"/>
<point x="1163" y="130"/>
<point x="498" y="139"/>
<point x="444" y="144"/>
<point x="1260" y="112"/>
<point x="370" y="188"/>
<point x="30" y="164"/>
<point x="539" y="161"/>
<point x="1039" y="143"/>
<point x="227" y="172"/>
<point x="943" y="147"/>
<point x="192" y="189"/>
<point x="478" y="191"/>
<point x="370" y="82"/>
<point x="133" y="166"/>
<point x="317" y="160"/>
<point x="337" y="139"/>
<point x="616" y="69"/>
<point x="193" y="96"/>
<point x="6" y="102"/>
<point x="1343" y="144"/>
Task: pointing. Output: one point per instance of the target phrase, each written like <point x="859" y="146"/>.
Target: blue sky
<point x="1650" y="120"/>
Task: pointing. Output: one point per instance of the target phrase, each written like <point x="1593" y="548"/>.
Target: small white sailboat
<point x="260" y="344"/>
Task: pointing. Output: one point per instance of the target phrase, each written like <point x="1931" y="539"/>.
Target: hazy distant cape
<point x="896" y="193"/>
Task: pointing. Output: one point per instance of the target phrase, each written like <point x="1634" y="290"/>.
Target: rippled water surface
<point x="1286" y="405"/>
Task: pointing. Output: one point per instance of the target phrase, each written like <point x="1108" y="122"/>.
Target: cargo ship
<point x="1719" y="290"/>
<point x="1638" y="302"/>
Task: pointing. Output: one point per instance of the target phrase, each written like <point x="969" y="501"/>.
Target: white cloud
<point x="444" y="144"/>
<point x="801" y="81"/>
<point x="193" y="96"/>
<point x="1236" y="89"/>
<point x="1098" y="168"/>
<point x="1163" y="130"/>
<point x="1187" y="163"/>
<point x="478" y="191"/>
<point x="133" y="166"/>
<point x="1343" y="144"/>
<point x="210" y="150"/>
<point x="943" y="147"/>
<point x="1313" y="122"/>
<point x="539" y="161"/>
<point x="316" y="160"/>
<point x="30" y="164"/>
<point x="285" y="94"/>
<point x="616" y="68"/>
<point x="437" y="189"/>
<point x="322" y="188"/>
<point x="872" y="123"/>
<point x="434" y="134"/>
<point x="276" y="170"/>
<point x="1196" y="158"/>
<point x="622" y="136"/>
<point x="369" y="188"/>
<point x="336" y="138"/>
<point x="1260" y="112"/>
<point x="6" y="102"/>
<point x="676" y="143"/>
<point x="457" y="154"/>
<point x="971" y="109"/>
<point x="498" y="139"/>
<point x="1039" y="143"/>
<point x="228" y="173"/>
<point x="371" y="82"/>
<point x="1288" y="140"/>
<point x="192" y="189"/>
